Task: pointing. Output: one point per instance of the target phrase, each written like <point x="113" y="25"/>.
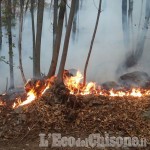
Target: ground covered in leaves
<point x="76" y="116"/>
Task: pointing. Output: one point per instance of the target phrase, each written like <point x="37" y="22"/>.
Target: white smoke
<point x="108" y="50"/>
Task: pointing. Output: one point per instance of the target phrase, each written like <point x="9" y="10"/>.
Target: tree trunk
<point x="36" y="61"/>
<point x="54" y="60"/>
<point x="66" y="18"/>
<point x="55" y="21"/>
<point x="130" y="24"/>
<point x="125" y="23"/>
<point x="130" y="11"/>
<point x="33" y="32"/>
<point x="140" y="16"/>
<point x="92" y="41"/>
<point x="74" y="27"/>
<point x="139" y="25"/>
<point x="14" y="8"/>
<point x="134" y="57"/>
<point x="20" y="40"/>
<point x="27" y="5"/>
<point x="9" y="18"/>
<point x="142" y="38"/>
<point x="0" y="24"/>
<point x="66" y="42"/>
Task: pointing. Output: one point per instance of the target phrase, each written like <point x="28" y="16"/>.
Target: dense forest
<point x="122" y="31"/>
<point x="74" y="74"/>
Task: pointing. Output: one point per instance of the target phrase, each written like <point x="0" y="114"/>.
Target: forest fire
<point x="2" y="103"/>
<point x="75" y="86"/>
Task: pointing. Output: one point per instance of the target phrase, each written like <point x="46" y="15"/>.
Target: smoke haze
<point x="108" y="50"/>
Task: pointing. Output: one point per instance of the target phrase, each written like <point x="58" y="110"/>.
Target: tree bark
<point x="14" y="8"/>
<point x="130" y="24"/>
<point x="54" y="60"/>
<point x="20" y="40"/>
<point x="142" y="38"/>
<point x="55" y="21"/>
<point x="125" y="23"/>
<point x="130" y="10"/>
<point x="74" y="27"/>
<point x="9" y="18"/>
<point x="66" y="42"/>
<point x="135" y="56"/>
<point x="33" y="32"/>
<point x="92" y="41"/>
<point x="141" y="11"/>
<point x="27" y="5"/>
<point x="0" y="24"/>
<point x="36" y="61"/>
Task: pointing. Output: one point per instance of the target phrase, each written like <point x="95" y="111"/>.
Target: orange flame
<point x="30" y="97"/>
<point x="32" y="94"/>
<point x="2" y="103"/>
<point x="75" y="87"/>
<point x="74" y="84"/>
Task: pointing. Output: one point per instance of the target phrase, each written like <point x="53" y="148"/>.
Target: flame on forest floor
<point x="74" y="84"/>
<point x="2" y="103"/>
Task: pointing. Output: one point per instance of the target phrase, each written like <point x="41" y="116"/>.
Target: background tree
<point x="36" y="57"/>
<point x="20" y="40"/>
<point x="14" y="8"/>
<point x="134" y="57"/>
<point x="55" y="21"/>
<point x="141" y="11"/>
<point x="142" y="38"/>
<point x="92" y="41"/>
<point x="59" y="29"/>
<point x="66" y="42"/>
<point x="0" y="24"/>
<point x="125" y="25"/>
<point x="33" y="31"/>
<point x="9" y="32"/>
<point x="75" y="21"/>
<point x="130" y="24"/>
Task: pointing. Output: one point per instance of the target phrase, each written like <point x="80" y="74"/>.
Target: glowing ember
<point x="2" y="103"/>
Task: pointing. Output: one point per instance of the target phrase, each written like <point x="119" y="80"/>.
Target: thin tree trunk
<point x="66" y="18"/>
<point x="130" y="22"/>
<point x="54" y="60"/>
<point x="14" y="8"/>
<point x="33" y="32"/>
<point x="0" y="24"/>
<point x="10" y="44"/>
<point x="142" y="38"/>
<point x="27" y="6"/>
<point x="66" y="42"/>
<point x="139" y="25"/>
<point x="92" y="41"/>
<point x="140" y="15"/>
<point x="125" y="23"/>
<point x="134" y="58"/>
<point x="74" y="27"/>
<point x="55" y="21"/>
<point x="40" y="12"/>
<point x="20" y="40"/>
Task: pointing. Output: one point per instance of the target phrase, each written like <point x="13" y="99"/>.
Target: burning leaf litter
<point x="79" y="110"/>
<point x="75" y="86"/>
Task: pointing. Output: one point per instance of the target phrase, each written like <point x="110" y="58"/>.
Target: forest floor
<point x="79" y="116"/>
